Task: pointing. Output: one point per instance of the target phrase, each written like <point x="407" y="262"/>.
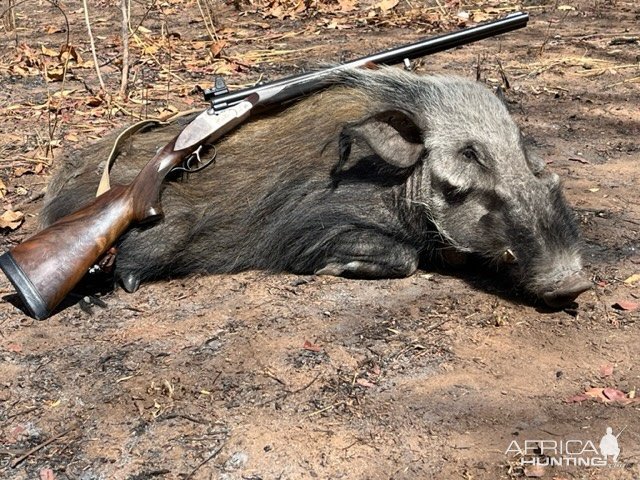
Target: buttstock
<point x="46" y="267"/>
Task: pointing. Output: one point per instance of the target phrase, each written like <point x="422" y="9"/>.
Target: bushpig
<point x="360" y="180"/>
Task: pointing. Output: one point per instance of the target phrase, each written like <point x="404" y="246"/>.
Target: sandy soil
<point x="258" y="376"/>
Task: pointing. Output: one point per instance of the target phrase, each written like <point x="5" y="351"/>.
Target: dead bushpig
<point x="359" y="180"/>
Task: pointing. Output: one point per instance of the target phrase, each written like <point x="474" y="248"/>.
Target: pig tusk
<point x="509" y="257"/>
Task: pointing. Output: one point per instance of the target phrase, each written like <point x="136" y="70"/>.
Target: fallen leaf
<point x="55" y="73"/>
<point x="311" y="347"/>
<point x="633" y="278"/>
<point x="14" y="347"/>
<point x="20" y="171"/>
<point x="347" y="5"/>
<point x="70" y="52"/>
<point x="216" y="47"/>
<point x="49" y="52"/>
<point x="51" y="29"/>
<point x="18" y="433"/>
<point x="577" y="399"/>
<point x="626" y="305"/>
<point x="594" y="190"/>
<point x="3" y="189"/>
<point x="480" y="17"/>
<point x="534" y="471"/>
<point x="596" y="393"/>
<point x="11" y="220"/>
<point x="71" y="137"/>
<point x="93" y="101"/>
<point x="365" y="383"/>
<point x="614" y="395"/>
<point x="386" y="5"/>
<point x="150" y="49"/>
<point x="47" y="474"/>
<point x="606" y="370"/>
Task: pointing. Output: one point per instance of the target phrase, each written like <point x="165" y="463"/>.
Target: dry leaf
<point x="577" y="399"/>
<point x="311" y="347"/>
<point x="20" y="171"/>
<point x="633" y="278"/>
<point x="626" y="305"/>
<point x="614" y="395"/>
<point x="365" y="383"/>
<point x="534" y="471"/>
<point x="14" y="347"/>
<point x="69" y="51"/>
<point x="150" y="49"/>
<point x="386" y="5"/>
<point x="481" y="17"/>
<point x="49" y="52"/>
<point x="347" y="5"/>
<point x="595" y="393"/>
<point x="216" y="47"/>
<point x="3" y="189"/>
<point x="51" y="29"/>
<point x="55" y="73"/>
<point x="11" y="220"/>
<point x="606" y="370"/>
<point x="47" y="474"/>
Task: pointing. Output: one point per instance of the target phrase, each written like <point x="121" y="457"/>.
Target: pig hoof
<point x="567" y="291"/>
<point x="130" y="282"/>
<point x="334" y="269"/>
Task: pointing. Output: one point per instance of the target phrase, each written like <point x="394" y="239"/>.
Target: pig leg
<point x="144" y="254"/>
<point x="368" y="254"/>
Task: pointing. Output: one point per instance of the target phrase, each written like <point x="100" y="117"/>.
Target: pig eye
<point x="471" y="154"/>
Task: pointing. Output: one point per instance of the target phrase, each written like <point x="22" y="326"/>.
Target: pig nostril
<point x="567" y="291"/>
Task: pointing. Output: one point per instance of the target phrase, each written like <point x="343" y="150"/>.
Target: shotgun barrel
<point x="295" y="86"/>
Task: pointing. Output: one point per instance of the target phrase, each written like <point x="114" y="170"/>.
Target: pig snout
<point x="566" y="290"/>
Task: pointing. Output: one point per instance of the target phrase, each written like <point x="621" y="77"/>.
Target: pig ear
<point x="391" y="135"/>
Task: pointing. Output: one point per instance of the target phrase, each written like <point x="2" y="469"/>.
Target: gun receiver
<point x="46" y="267"/>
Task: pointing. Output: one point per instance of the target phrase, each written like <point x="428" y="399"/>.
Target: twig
<point x="32" y="198"/>
<point x="210" y="30"/>
<point x="125" y="48"/>
<point x="19" y="460"/>
<point x="330" y="407"/>
<point x="206" y="460"/>
<point x="436" y="325"/>
<point x="171" y="416"/>
<point x="290" y="392"/>
<point x="22" y="412"/>
<point x="92" y="42"/>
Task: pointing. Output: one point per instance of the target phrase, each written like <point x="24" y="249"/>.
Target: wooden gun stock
<point x="47" y="266"/>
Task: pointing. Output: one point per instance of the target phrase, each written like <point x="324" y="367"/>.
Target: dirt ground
<point x="261" y="376"/>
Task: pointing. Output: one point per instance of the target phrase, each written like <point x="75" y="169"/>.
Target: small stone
<point x="236" y="461"/>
